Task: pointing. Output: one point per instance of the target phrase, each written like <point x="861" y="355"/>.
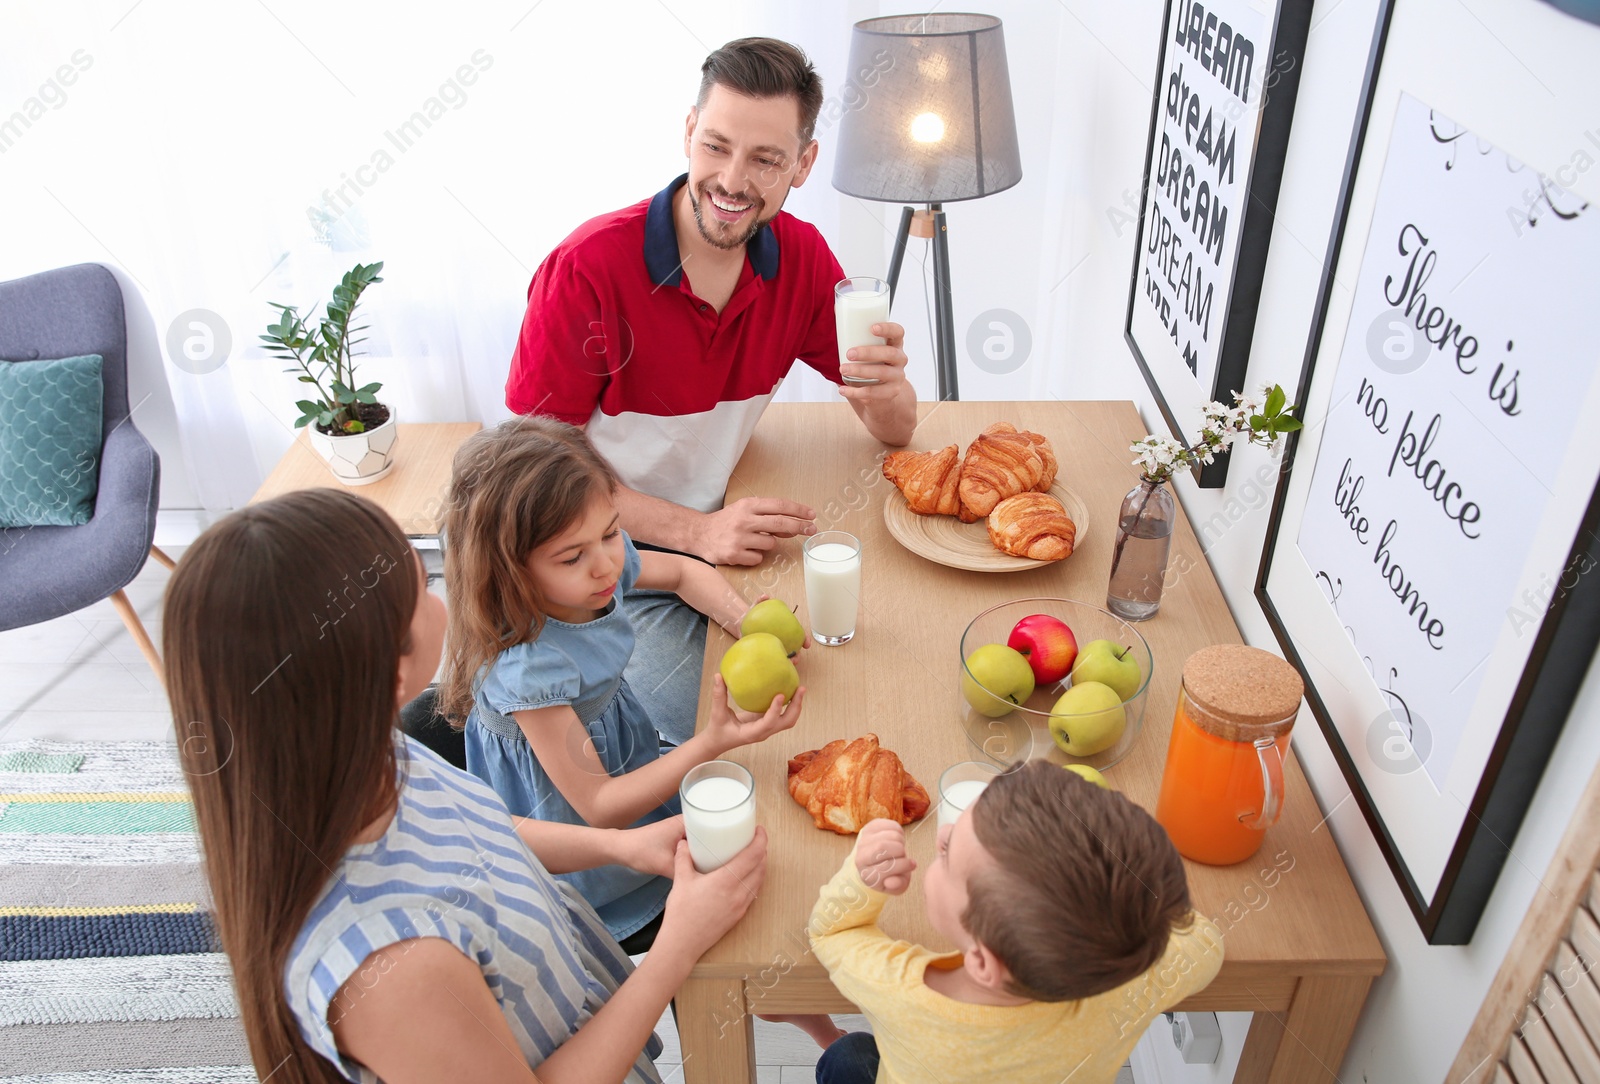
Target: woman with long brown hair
<point x="384" y="916"/>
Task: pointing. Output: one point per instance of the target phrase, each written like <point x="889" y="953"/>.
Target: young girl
<point x="535" y="566"/>
<point x="383" y="916"/>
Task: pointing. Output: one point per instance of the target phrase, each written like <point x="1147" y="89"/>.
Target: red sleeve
<point x="820" y="347"/>
<point x="560" y="366"/>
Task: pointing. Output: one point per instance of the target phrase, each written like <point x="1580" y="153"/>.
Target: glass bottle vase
<point x="1139" y="558"/>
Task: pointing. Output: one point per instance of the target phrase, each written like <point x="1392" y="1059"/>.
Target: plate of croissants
<point x="999" y="508"/>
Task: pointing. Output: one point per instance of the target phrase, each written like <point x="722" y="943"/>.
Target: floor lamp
<point x="930" y="123"/>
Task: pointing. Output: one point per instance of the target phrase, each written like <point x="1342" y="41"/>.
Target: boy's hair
<point x="512" y="489"/>
<point x="1086" y="888"/>
<point x="765" y="68"/>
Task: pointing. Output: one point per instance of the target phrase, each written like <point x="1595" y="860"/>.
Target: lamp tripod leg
<point x="943" y="309"/>
<point x="899" y="256"/>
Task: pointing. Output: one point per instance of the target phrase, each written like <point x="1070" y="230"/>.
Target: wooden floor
<point x="81" y="678"/>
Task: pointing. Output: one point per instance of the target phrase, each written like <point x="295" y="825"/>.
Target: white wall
<point x="1420" y="1009"/>
<point x="584" y="112"/>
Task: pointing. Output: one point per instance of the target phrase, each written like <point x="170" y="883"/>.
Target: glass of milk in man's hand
<point x="858" y="303"/>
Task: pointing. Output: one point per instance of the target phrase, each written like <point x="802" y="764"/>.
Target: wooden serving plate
<point x="946" y="540"/>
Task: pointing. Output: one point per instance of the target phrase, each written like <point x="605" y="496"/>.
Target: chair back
<point x="64" y="313"/>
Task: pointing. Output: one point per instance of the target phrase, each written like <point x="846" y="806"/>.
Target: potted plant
<point x="350" y="429"/>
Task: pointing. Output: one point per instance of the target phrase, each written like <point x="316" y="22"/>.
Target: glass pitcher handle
<point x="1271" y="758"/>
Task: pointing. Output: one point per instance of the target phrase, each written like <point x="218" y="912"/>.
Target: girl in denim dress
<point x="535" y="566"/>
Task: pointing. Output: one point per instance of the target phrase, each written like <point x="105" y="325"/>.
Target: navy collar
<point x="661" y="242"/>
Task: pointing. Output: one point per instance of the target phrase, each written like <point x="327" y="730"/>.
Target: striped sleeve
<point x="343" y="960"/>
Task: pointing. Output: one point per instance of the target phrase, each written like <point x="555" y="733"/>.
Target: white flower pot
<point x="358" y="458"/>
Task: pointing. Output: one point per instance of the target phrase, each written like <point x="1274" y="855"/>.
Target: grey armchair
<point x="47" y="572"/>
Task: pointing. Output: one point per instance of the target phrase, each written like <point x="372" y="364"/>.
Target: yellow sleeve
<point x="845" y="919"/>
<point x="864" y="963"/>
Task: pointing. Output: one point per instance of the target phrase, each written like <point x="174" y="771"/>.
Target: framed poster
<point x="1219" y="127"/>
<point x="1427" y="557"/>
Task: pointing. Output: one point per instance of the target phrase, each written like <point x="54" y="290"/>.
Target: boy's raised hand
<point x="728" y="727"/>
<point x="881" y="857"/>
<point x="703" y="906"/>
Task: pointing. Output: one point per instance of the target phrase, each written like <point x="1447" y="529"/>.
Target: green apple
<point x="1109" y="663"/>
<point x="1090" y="774"/>
<point x="1087" y="719"/>
<point x="756" y="669"/>
<point x="774" y="616"/>
<point x="996" y="679"/>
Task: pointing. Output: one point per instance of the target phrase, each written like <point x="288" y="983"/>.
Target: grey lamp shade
<point x="936" y="125"/>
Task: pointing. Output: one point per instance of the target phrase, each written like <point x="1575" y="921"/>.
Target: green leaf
<point x="1286" y="424"/>
<point x="366" y="397"/>
<point x="354" y="426"/>
<point x="370" y="387"/>
<point x="304" y="379"/>
<point x="310" y="406"/>
<point x="1275" y="401"/>
<point x="1258" y="421"/>
<point x="302" y="422"/>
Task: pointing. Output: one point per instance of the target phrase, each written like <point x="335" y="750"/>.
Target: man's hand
<point x="885" y="364"/>
<point x="889" y="407"/>
<point x="743" y="532"/>
<point x="881" y="857"/>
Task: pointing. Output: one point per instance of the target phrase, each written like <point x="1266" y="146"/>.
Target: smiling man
<point x="665" y="328"/>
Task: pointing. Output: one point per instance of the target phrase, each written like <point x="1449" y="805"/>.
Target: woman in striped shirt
<point x="385" y="918"/>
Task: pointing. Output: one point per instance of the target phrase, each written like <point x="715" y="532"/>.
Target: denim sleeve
<point x="630" y="566"/>
<point x="529" y="676"/>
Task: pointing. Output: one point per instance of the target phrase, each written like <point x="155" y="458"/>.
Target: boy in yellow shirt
<point x="1071" y="911"/>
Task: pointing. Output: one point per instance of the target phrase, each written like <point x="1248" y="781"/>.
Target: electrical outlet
<point x="1197" y="1036"/>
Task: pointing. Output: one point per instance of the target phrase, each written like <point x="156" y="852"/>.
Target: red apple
<point x="1048" y="645"/>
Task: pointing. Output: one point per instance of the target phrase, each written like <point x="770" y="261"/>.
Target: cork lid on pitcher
<point x="1243" y="685"/>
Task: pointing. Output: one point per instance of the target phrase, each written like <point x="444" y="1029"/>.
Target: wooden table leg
<point x="1307" y="1043"/>
<point x="716" y="1031"/>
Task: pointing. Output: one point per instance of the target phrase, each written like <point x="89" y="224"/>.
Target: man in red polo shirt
<point x="665" y="328"/>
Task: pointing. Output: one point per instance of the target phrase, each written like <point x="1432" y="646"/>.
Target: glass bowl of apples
<point x="1055" y="679"/>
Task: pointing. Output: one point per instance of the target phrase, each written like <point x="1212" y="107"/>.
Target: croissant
<point x="927" y="479"/>
<point x="845" y="784"/>
<point x="1032" y="525"/>
<point x="1000" y="463"/>
<point x="1048" y="455"/>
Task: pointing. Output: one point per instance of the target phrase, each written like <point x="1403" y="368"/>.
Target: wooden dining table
<point x="1300" y="951"/>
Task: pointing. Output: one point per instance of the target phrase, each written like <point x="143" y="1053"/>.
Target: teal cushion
<point x="49" y="441"/>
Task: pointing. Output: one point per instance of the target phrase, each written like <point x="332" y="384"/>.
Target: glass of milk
<point x="719" y="812"/>
<point x="833" y="585"/>
<point x="960" y="786"/>
<point x="858" y="303"/>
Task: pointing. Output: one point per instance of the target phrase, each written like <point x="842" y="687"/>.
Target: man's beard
<point x="716" y="240"/>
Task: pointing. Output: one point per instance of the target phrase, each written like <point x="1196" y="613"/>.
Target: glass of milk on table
<point x="960" y="786"/>
<point x="858" y="303"/>
<point x="833" y="585"/>
<point x="719" y="812"/>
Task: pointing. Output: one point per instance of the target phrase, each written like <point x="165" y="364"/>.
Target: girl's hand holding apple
<point x="729" y="727"/>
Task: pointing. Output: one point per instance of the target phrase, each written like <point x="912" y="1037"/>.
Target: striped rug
<point x="109" y="966"/>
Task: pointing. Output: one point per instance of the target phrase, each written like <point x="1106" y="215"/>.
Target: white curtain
<point x="224" y="155"/>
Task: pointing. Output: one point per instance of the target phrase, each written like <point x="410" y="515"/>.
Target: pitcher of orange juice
<point x="1223" y="784"/>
